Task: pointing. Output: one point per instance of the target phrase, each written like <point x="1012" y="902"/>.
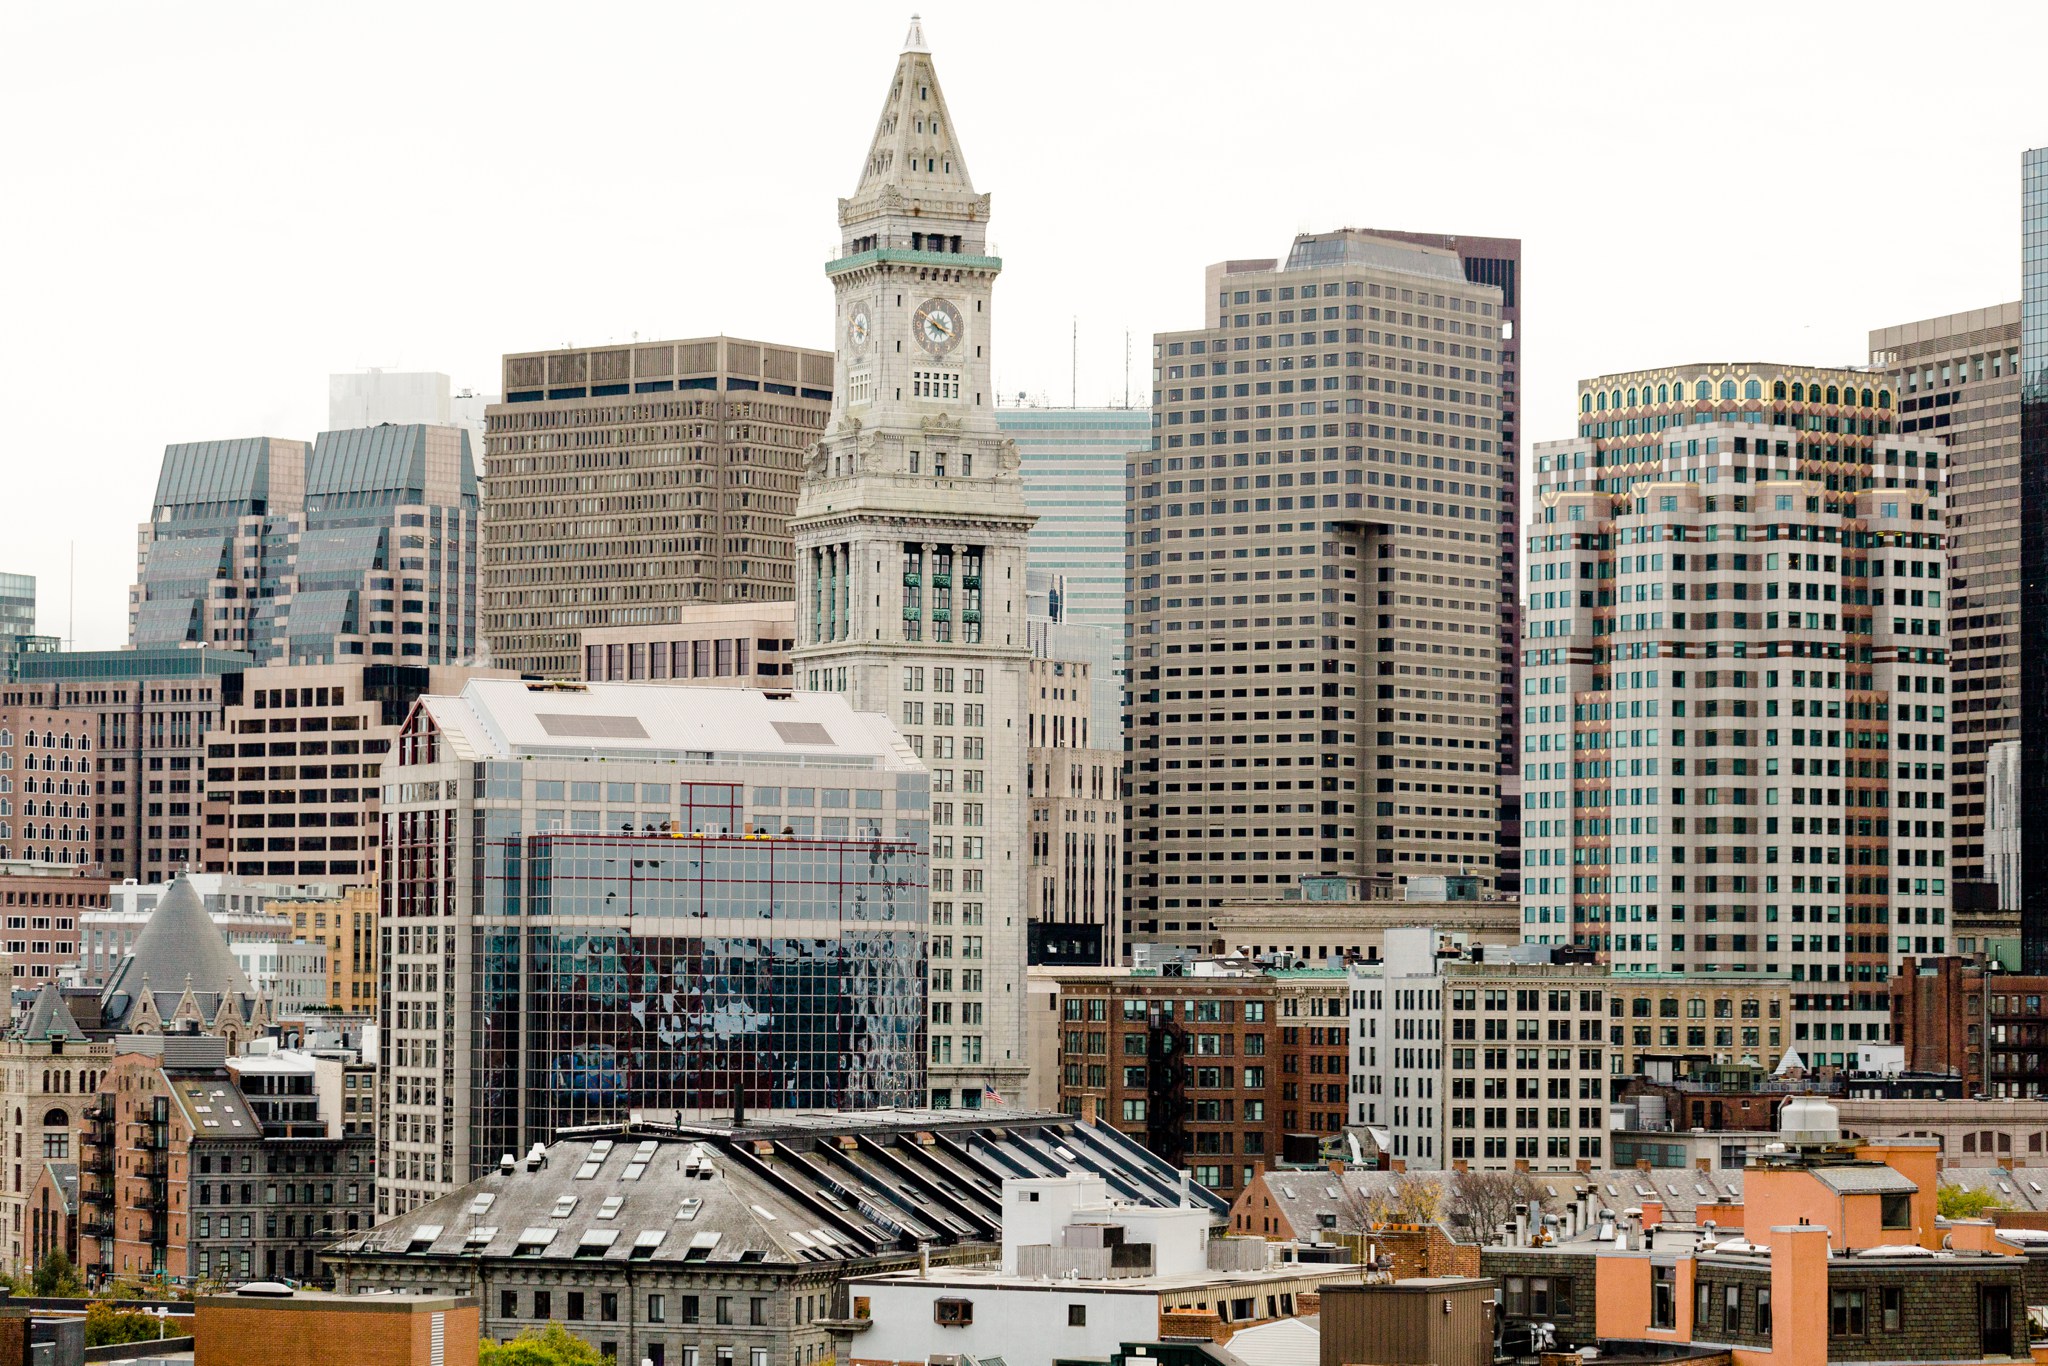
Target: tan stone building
<point x="702" y="442"/>
<point x="1734" y="1020"/>
<point x="724" y="644"/>
<point x="49" y="1071"/>
<point x="292" y="772"/>
<point x="1958" y="378"/>
<point x="348" y="927"/>
<point x="1074" y="787"/>
<point x="1314" y="580"/>
<point x="1329" y="919"/>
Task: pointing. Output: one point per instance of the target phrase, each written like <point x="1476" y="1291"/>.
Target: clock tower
<point x="910" y="539"/>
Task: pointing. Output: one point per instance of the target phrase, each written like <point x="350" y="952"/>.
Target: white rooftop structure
<point x="507" y="718"/>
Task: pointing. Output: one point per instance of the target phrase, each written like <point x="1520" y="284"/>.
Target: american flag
<point x="990" y="1095"/>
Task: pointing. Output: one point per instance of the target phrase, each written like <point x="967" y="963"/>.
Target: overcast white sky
<point x="211" y="207"/>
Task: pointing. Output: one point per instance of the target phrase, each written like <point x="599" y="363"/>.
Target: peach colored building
<point x="1835" y="1253"/>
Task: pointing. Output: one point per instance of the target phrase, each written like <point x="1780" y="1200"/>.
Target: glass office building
<point x="1072" y="460"/>
<point x="646" y="897"/>
<point x="2033" y="652"/>
<point x="662" y="975"/>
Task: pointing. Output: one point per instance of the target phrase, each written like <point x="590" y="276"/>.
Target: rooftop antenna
<point x="1127" y="368"/>
<point x="1074" y="379"/>
<point x="71" y="601"/>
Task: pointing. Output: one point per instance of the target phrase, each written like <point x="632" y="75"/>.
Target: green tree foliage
<point x="57" y="1278"/>
<point x="551" y="1346"/>
<point x="1960" y="1202"/>
<point x="104" y="1324"/>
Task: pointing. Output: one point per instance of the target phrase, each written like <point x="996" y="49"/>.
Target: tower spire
<point x="914" y="153"/>
<point x="913" y="41"/>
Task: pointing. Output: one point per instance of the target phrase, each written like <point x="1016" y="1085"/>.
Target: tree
<point x="57" y="1278"/>
<point x="1417" y="1199"/>
<point x="551" y="1346"/>
<point x="105" y="1324"/>
<point x="1485" y="1200"/>
<point x="1960" y="1202"/>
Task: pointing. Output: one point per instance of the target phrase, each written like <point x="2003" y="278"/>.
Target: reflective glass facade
<point x="660" y="974"/>
<point x="1072" y="460"/>
<point x="2033" y="654"/>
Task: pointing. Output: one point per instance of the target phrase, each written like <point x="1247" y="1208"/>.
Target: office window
<point x="1731" y="1309"/>
<point x="1077" y="1316"/>
<point x="1663" y="1297"/>
<point x="1892" y="1307"/>
<point x="1763" y="1310"/>
<point x="1845" y="1313"/>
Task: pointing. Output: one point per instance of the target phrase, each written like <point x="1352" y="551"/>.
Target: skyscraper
<point x="911" y="532"/>
<point x="1958" y="379"/>
<point x="1735" y="671"/>
<point x="690" y="505"/>
<point x="18" y="622"/>
<point x="364" y="546"/>
<point x="1073" y="465"/>
<point x="1313" y="581"/>
<point x="2033" y="651"/>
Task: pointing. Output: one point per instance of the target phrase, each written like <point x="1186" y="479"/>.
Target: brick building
<point x="1951" y="1015"/>
<point x="43" y="903"/>
<point x="1217" y="1070"/>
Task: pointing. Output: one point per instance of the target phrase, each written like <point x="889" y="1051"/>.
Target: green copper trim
<point x="898" y="256"/>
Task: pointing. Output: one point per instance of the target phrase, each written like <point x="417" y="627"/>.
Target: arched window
<point x="1602" y="401"/>
<point x="56" y="1119"/>
<point x="1617" y="398"/>
<point x="1778" y="389"/>
<point x="1884" y="398"/>
<point x="1866" y="398"/>
<point x="1753" y="389"/>
<point x="1834" y="394"/>
<point x="1798" y="392"/>
<point x="1727" y="388"/>
<point x="1702" y="389"/>
<point x="1585" y="403"/>
<point x="1631" y="398"/>
<point x="1663" y="393"/>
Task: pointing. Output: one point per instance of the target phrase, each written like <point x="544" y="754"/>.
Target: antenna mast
<point x="1127" y="369"/>
<point x="1074" y="376"/>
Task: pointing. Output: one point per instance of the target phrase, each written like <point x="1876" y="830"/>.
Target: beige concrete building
<point x="1958" y="378"/>
<point x="911" y="535"/>
<point x="1313" y="580"/>
<point x="1488" y="1065"/>
<point x="725" y="644"/>
<point x="292" y="773"/>
<point x="1329" y="919"/>
<point x="689" y="504"/>
<point x="49" y="1072"/>
<point x="1735" y="678"/>
<point x="1074" y="788"/>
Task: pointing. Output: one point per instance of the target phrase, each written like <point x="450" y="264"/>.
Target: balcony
<point x="98" y="1226"/>
<point x="97" y="1162"/>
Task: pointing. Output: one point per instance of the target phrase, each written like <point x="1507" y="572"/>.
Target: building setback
<point x="911" y="547"/>
<point x="727" y="645"/>
<point x="1958" y="378"/>
<point x="601" y="897"/>
<point x="1312" y="583"/>
<point x="1735" y="673"/>
<point x="691" y="507"/>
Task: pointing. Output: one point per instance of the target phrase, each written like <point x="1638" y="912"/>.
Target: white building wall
<point x="1023" y="1326"/>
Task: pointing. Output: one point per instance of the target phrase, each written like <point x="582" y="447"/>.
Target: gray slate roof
<point x="1863" y="1180"/>
<point x="179" y="947"/>
<point x="838" y="1189"/>
<point x="50" y="1018"/>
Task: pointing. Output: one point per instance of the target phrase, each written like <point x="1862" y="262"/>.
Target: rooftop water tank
<point x="1809" y="1119"/>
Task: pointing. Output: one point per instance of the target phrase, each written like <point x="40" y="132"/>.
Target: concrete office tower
<point x="1072" y="782"/>
<point x="293" y="770"/>
<point x="2033" y="644"/>
<point x="1313" y="581"/>
<point x="1053" y="636"/>
<point x="214" y="559"/>
<point x="1735" y="671"/>
<point x="2002" y="821"/>
<point x="1072" y="460"/>
<point x="691" y="506"/>
<point x="911" y="534"/>
<point x="151" y="710"/>
<point x="529" y="845"/>
<point x="1958" y="379"/>
<point x="1498" y="261"/>
<point x="727" y="644"/>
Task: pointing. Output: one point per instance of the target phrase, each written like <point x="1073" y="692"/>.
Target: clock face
<point x="937" y="325"/>
<point x="857" y="328"/>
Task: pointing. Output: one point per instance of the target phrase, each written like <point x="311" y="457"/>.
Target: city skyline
<point x="236" y="206"/>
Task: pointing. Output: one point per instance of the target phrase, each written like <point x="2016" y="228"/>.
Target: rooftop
<point x="506" y="718"/>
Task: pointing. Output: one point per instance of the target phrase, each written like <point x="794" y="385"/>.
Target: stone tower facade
<point x="910" y="542"/>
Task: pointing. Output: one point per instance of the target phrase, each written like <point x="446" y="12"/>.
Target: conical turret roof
<point x="179" y="948"/>
<point x="49" y="1018"/>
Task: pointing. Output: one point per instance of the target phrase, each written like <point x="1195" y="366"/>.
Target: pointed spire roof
<point x="179" y="944"/>
<point x="49" y="1018"/>
<point x="914" y="152"/>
